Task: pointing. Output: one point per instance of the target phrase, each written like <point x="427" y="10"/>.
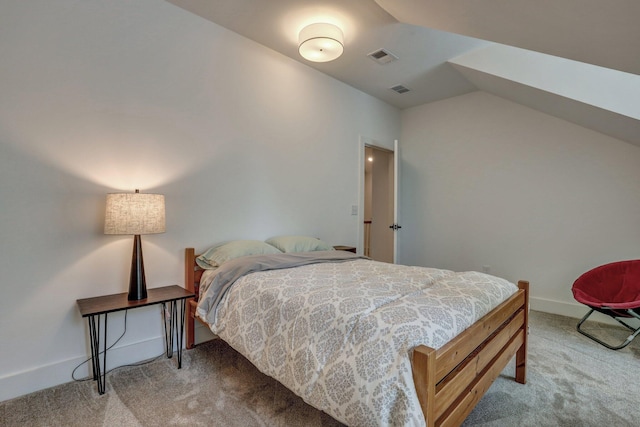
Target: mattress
<point x="340" y="332"/>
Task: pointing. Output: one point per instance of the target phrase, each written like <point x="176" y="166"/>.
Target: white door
<point x="396" y="187"/>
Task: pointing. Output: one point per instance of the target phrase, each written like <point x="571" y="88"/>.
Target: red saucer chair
<point x="612" y="289"/>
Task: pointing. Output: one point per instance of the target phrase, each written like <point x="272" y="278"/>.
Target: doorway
<point x="379" y="203"/>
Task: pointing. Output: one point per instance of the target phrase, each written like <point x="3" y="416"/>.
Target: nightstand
<point x="94" y="308"/>
<point x="345" y="248"/>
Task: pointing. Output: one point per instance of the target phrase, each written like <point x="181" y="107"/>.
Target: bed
<point x="435" y="384"/>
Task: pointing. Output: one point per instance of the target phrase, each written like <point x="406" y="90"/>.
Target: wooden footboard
<point x="452" y="380"/>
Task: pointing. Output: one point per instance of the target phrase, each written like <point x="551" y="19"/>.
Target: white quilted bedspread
<point x="340" y="335"/>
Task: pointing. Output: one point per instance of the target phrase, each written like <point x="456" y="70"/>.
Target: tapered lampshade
<point x="135" y="213"/>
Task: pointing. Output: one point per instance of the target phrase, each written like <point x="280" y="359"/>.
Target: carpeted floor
<point x="572" y="381"/>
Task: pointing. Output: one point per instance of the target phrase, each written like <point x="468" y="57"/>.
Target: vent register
<point x="382" y="57"/>
<point x="400" y="89"/>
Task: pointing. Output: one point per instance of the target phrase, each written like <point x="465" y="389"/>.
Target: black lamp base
<point x="137" y="284"/>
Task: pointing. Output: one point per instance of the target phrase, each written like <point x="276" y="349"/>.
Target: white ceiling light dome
<point x="320" y="42"/>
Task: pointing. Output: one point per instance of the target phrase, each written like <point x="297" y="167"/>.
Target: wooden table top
<point x="116" y="302"/>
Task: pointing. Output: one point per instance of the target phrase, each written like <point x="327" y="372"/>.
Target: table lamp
<point x="135" y="213"/>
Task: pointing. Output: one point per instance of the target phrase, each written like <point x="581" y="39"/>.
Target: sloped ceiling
<point x="423" y="52"/>
<point x="575" y="59"/>
<point x="599" y="32"/>
<point x="584" y="54"/>
<point x="597" y="98"/>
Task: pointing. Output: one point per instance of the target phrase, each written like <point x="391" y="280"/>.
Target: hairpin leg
<point x="99" y="372"/>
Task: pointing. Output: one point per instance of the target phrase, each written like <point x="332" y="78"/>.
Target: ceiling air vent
<point x="400" y="89"/>
<point x="382" y="56"/>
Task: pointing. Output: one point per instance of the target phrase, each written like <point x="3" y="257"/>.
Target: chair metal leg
<point x="612" y="347"/>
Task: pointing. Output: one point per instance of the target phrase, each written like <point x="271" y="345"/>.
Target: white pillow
<point x="298" y="244"/>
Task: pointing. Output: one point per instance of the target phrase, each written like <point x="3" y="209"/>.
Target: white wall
<point x="97" y="97"/>
<point x="487" y="182"/>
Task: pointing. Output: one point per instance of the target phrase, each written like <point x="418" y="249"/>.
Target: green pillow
<point x="215" y="256"/>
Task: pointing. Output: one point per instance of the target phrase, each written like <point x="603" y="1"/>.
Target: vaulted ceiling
<point x="575" y="59"/>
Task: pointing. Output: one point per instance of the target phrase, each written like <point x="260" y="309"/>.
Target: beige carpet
<point x="572" y="381"/>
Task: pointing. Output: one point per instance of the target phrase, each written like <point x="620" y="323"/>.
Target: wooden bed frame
<point x="449" y="381"/>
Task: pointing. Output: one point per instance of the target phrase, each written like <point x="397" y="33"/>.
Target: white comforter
<point x="340" y="335"/>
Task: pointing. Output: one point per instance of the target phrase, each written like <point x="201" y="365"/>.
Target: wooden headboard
<point x="192" y="275"/>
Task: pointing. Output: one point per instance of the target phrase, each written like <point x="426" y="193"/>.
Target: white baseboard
<point x="574" y="310"/>
<point x="45" y="376"/>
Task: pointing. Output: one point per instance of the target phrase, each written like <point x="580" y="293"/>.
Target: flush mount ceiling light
<point x="320" y="42"/>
